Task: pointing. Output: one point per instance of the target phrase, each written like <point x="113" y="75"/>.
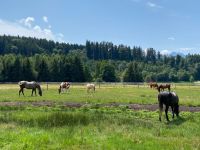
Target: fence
<point x="111" y="84"/>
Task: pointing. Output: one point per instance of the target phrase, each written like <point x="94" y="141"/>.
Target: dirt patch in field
<point x="150" y="107"/>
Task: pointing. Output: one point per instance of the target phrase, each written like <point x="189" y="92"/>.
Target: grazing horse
<point x="90" y="86"/>
<point x="153" y="85"/>
<point x="162" y="87"/>
<point x="29" y="85"/>
<point x="63" y="85"/>
<point x="168" y="99"/>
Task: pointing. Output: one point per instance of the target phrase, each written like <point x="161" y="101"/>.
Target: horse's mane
<point x="21" y="82"/>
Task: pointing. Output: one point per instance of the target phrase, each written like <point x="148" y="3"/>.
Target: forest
<point x="26" y="58"/>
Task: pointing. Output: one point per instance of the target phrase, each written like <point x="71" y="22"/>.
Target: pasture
<point x="57" y="127"/>
<point x="189" y="95"/>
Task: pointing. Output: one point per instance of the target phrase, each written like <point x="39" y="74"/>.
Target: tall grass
<point x="101" y="128"/>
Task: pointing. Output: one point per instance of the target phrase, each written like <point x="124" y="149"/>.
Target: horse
<point x="63" y="85"/>
<point x="168" y="99"/>
<point x="90" y="86"/>
<point x="29" y="85"/>
<point x="162" y="87"/>
<point x="153" y="85"/>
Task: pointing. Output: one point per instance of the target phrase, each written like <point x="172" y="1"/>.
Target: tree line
<point x="29" y="46"/>
<point x="23" y="58"/>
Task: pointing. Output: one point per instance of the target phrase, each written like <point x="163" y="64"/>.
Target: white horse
<point x="29" y="85"/>
<point x="90" y="86"/>
<point x="63" y="86"/>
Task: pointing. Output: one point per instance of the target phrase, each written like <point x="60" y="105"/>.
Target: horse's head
<point x="176" y="110"/>
<point x="39" y="89"/>
<point x="40" y="92"/>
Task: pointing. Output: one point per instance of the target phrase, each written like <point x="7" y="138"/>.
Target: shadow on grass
<point x="177" y="121"/>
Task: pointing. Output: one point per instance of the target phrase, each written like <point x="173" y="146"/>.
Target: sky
<point x="165" y="25"/>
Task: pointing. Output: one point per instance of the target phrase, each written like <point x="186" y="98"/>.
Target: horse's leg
<point x="32" y="93"/>
<point x="160" y="110"/>
<point x="23" y="91"/>
<point x="19" y="91"/>
<point x="166" y="110"/>
<point x="35" y="92"/>
<point x="172" y="112"/>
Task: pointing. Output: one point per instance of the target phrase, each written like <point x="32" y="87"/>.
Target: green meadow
<point x="61" y="128"/>
<point x="96" y="128"/>
<point x="188" y="95"/>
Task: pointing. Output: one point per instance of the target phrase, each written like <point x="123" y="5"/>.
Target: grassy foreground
<point x="96" y="128"/>
<point x="189" y="95"/>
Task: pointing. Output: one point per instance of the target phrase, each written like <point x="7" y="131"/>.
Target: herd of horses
<point x="167" y="98"/>
<point x="64" y="86"/>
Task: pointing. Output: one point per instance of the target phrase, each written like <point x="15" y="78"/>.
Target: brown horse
<point x="29" y="85"/>
<point x="153" y="85"/>
<point x="63" y="85"/>
<point x="162" y="87"/>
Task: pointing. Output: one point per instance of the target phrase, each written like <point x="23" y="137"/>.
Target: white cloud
<point x="61" y="35"/>
<point x="27" y="21"/>
<point x="37" y="28"/>
<point x="153" y="5"/>
<point x="165" y="52"/>
<point x="171" y="38"/>
<point x="45" y="19"/>
<point x="186" y="49"/>
<point x="24" y="28"/>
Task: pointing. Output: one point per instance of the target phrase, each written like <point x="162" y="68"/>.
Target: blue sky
<point x="166" y="25"/>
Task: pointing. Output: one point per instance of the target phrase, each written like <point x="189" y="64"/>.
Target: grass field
<point x="103" y="128"/>
<point x="99" y="128"/>
<point x="108" y="93"/>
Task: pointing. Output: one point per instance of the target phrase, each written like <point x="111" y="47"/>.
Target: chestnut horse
<point x="153" y="85"/>
<point x="63" y="85"/>
<point x="162" y="87"/>
<point x="29" y="85"/>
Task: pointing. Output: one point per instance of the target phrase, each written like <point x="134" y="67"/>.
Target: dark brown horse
<point x="63" y="85"/>
<point x="153" y="85"/>
<point x="162" y="87"/>
<point x="29" y="85"/>
<point x="168" y="99"/>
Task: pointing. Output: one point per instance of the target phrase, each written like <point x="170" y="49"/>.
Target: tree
<point x="108" y="74"/>
<point x="16" y="71"/>
<point x="28" y="72"/>
<point x="132" y="74"/>
<point x="43" y="71"/>
<point x="77" y="70"/>
<point x="87" y="74"/>
<point x="151" y="55"/>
